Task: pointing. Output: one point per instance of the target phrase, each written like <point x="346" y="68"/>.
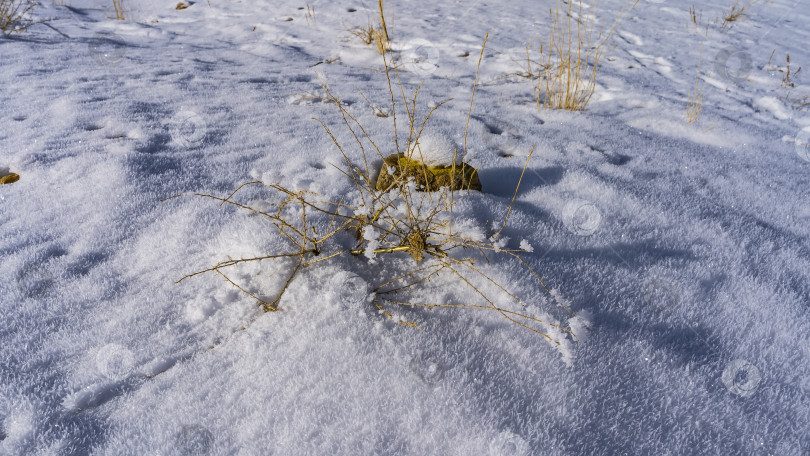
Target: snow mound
<point x="435" y="149"/>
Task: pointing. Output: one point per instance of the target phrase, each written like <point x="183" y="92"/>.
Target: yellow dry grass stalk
<point x="405" y="221"/>
<point x="119" y="10"/>
<point x="564" y="76"/>
<point x="382" y="22"/>
<point x="696" y="100"/>
<point x="382" y="41"/>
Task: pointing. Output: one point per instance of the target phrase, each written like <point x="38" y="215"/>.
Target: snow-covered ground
<point x="684" y="247"/>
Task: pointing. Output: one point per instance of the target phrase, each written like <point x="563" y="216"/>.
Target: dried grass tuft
<point x="386" y="223"/>
<point x="696" y="101"/>
<point x="14" y="16"/>
<point x="735" y="13"/>
<point x="564" y="75"/>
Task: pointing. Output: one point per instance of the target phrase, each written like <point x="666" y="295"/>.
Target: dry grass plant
<point x="696" y="18"/>
<point x="378" y="36"/>
<point x="119" y="10"/>
<point x="564" y="75"/>
<point x="696" y="101"/>
<point x="801" y="102"/>
<point x="787" y="81"/>
<point x="394" y="221"/>
<point x="735" y="13"/>
<point x="14" y="15"/>
<point x="309" y="15"/>
<point x="370" y="35"/>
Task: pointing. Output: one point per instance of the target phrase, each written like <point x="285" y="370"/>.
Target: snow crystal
<point x="371" y="235"/>
<point x="526" y="246"/>
<point x="499" y="243"/>
<point x="362" y="210"/>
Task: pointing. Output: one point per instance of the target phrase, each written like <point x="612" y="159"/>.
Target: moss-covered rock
<point x="8" y="178"/>
<point x="428" y="178"/>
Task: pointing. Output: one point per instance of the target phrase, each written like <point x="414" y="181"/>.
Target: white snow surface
<point x="681" y="249"/>
<point x="435" y="149"/>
